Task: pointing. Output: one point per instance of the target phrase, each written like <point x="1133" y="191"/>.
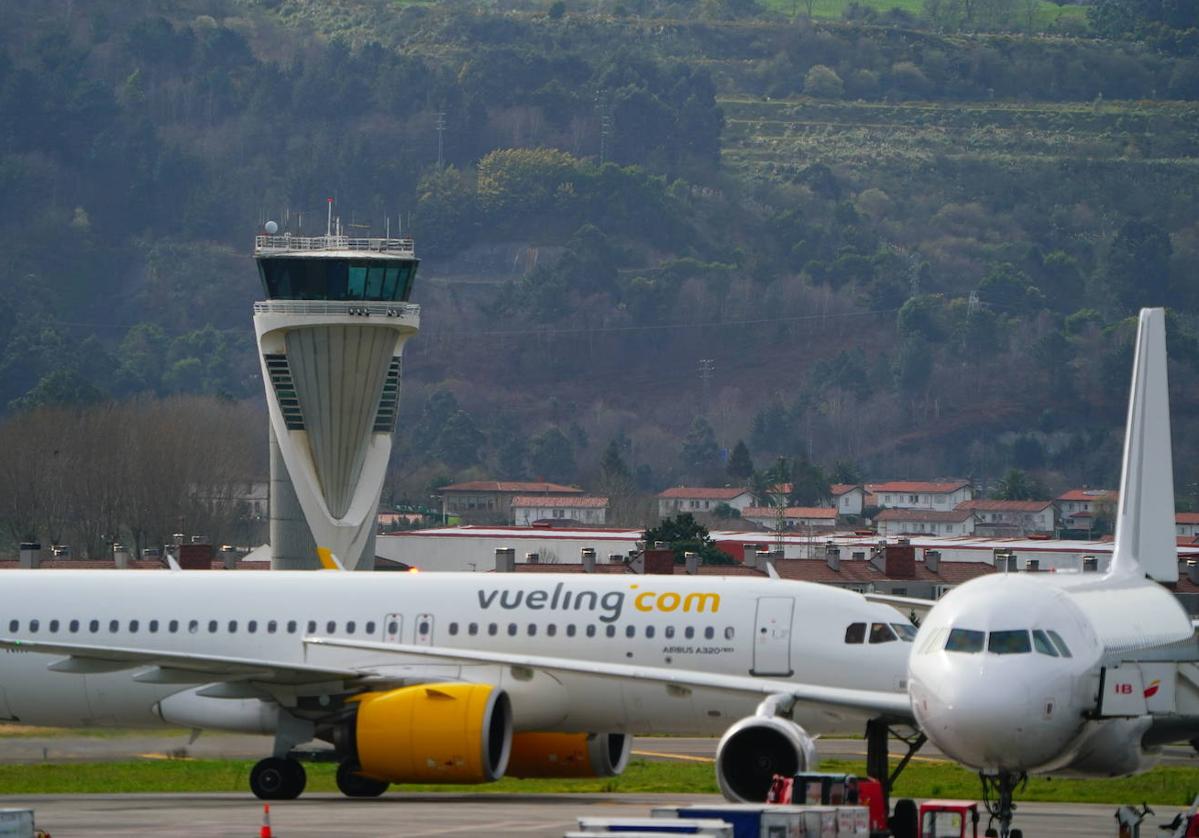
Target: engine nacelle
<point x="753" y="750"/>
<point x="434" y="733"/>
<point x="569" y="754"/>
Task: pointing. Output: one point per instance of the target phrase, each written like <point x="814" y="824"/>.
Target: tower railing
<point x="306" y="244"/>
<point x="354" y="307"/>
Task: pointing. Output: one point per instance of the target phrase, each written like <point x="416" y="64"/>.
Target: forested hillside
<point x="904" y="242"/>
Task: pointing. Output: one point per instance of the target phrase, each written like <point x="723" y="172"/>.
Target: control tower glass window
<point x="337" y="279"/>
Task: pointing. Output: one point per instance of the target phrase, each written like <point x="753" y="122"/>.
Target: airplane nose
<point x="988" y="718"/>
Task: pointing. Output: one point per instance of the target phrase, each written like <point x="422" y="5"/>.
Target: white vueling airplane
<point x="1072" y="674"/>
<point x="455" y="678"/>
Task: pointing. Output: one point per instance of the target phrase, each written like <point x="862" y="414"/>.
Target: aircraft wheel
<point x="353" y="784"/>
<point x="278" y="779"/>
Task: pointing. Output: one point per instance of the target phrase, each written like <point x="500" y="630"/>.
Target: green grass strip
<point x="1169" y="785"/>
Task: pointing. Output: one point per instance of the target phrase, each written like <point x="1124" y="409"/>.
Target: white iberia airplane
<point x="455" y="678"/>
<point x="1072" y="674"/>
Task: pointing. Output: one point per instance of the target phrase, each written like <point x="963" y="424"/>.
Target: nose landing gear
<point x="998" y="791"/>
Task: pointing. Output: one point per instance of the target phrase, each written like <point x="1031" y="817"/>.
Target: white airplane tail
<point x="1145" y="543"/>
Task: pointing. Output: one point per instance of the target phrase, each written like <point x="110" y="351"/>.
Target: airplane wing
<point x="178" y="667"/>
<point x="893" y="705"/>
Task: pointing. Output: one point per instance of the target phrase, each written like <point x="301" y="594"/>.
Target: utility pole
<point x="605" y="124"/>
<point x="440" y="139"/>
<point x="707" y="367"/>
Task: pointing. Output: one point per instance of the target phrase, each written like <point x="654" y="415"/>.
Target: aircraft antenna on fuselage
<point x="1145" y="542"/>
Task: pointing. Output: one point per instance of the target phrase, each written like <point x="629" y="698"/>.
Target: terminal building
<point x="331" y="333"/>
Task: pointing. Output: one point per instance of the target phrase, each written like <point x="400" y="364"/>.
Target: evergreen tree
<point x="700" y="454"/>
<point x="552" y="456"/>
<point x="740" y="467"/>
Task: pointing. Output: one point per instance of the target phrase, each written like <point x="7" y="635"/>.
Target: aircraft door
<point x="393" y="628"/>
<point x="424" y="630"/>
<point x="772" y="636"/>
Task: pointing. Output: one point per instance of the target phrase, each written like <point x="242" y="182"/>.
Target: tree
<point x="740" y="467"/>
<point x="823" y="83"/>
<point x="1017" y="485"/>
<point x="809" y="484"/>
<point x="700" y="454"/>
<point x="552" y="456"/>
<point x="913" y="366"/>
<point x="1137" y="268"/>
<point x="557" y="10"/>
<point x="459" y="441"/>
<point x="686" y="535"/>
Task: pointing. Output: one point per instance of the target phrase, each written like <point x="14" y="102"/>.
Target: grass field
<point x="1166" y="786"/>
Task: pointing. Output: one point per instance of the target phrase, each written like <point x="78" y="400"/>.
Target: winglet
<point x="328" y="560"/>
<point x="1145" y="542"/>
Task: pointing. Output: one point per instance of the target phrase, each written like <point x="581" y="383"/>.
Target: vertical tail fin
<point x="1145" y="543"/>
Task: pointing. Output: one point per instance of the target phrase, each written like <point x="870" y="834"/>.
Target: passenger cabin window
<point x="33" y="626"/>
<point x="291" y="626"/>
<point x="154" y="627"/>
<point x="73" y="626"/>
<point x="350" y="627"/>
<point x="172" y="627"/>
<point x="881" y="633"/>
<point x="94" y="626"/>
<point x="272" y="627"/>
<point x="54" y="626"/>
<point x="252" y="626"/>
<point x="856" y="633"/>
<point x="1042" y="643"/>
<point x="370" y="627"/>
<point x="965" y="640"/>
<point x="1013" y="642"/>
<point x="233" y="626"/>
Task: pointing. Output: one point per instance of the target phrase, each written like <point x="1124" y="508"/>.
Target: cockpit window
<point x="1013" y="642"/>
<point x="1061" y="644"/>
<point x="856" y="633"/>
<point x="965" y="640"/>
<point x="1042" y="643"/>
<point x="906" y="632"/>
<point x="881" y="633"/>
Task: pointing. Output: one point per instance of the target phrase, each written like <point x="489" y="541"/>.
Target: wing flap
<point x="894" y="705"/>
<point x="178" y="667"/>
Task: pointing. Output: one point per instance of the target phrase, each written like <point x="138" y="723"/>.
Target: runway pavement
<point x="412" y="816"/>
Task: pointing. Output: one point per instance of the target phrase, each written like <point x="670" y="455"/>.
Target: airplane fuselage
<point x="1007" y="671"/>
<point x="729" y="625"/>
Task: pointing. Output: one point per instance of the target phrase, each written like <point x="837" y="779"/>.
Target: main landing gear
<point x="352" y="784"/>
<point x="998" y="791"/>
<point x="278" y="778"/>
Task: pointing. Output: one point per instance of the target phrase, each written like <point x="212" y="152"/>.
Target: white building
<point x="799" y="518"/>
<point x="1011" y="517"/>
<point x="700" y="500"/>
<point x="577" y="509"/>
<point x="1187" y="524"/>
<point x="331" y="334"/>
<point x="1078" y="508"/>
<point x="848" y="498"/>
<point x="473" y="548"/>
<point x="925" y="521"/>
<point x="917" y="494"/>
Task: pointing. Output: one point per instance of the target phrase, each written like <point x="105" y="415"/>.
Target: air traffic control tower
<point x="331" y="334"/>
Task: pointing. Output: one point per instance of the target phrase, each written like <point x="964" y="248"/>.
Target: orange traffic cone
<point x="265" y="832"/>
